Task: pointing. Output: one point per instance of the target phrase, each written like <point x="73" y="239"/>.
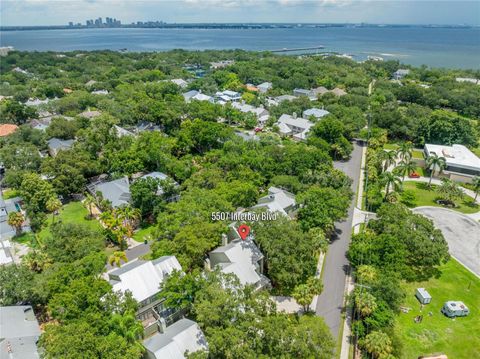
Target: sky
<point x="60" y="12"/>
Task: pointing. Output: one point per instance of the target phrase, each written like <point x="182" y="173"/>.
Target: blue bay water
<point x="437" y="47"/>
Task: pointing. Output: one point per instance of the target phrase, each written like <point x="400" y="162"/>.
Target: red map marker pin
<point x="243" y="231"/>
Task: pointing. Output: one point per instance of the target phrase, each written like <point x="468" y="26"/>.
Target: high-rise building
<point x="70" y="24"/>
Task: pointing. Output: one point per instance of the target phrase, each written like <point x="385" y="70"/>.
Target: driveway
<point x="461" y="232"/>
<point x="336" y="267"/>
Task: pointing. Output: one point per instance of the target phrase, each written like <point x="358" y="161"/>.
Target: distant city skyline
<point x="62" y="12"/>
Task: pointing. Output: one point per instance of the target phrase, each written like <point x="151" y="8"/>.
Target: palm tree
<point x="405" y="167"/>
<point x="128" y="327"/>
<point x="52" y="206"/>
<point x="378" y="344"/>
<point x="390" y="180"/>
<point x="476" y="185"/>
<point x="117" y="257"/>
<point x="388" y="159"/>
<point x="366" y="273"/>
<point x="365" y="303"/>
<point x="405" y="151"/>
<point x="16" y="219"/>
<point x="434" y="162"/>
<point x="89" y="202"/>
<point x="450" y="191"/>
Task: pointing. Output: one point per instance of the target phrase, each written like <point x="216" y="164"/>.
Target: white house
<point x="180" y="83"/>
<point x="315" y="112"/>
<point x="264" y="87"/>
<point x="143" y="279"/>
<point x="468" y="79"/>
<point x="175" y="341"/>
<point x="257" y="111"/>
<point x="294" y="126"/>
<point x="227" y="96"/>
<point x="461" y="163"/>
<point x="196" y="95"/>
<point x="400" y="74"/>
<point x="278" y="200"/>
<point x="242" y="258"/>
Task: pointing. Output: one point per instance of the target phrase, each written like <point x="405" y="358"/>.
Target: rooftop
<point x="7" y="129"/>
<point x="238" y="257"/>
<point x="184" y="335"/>
<point x="116" y="191"/>
<point x="316" y="112"/>
<point x="19" y="332"/>
<point x="456" y="155"/>
<point x="143" y="278"/>
<point x="277" y="200"/>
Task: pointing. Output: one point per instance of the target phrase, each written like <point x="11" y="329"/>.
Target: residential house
<point x="90" y="83"/>
<point x="19" y="333"/>
<point x="280" y="99"/>
<point x="56" y="145"/>
<point x="242" y="258"/>
<point x="264" y="87"/>
<point x="162" y="177"/>
<point x="121" y="132"/>
<point x="468" y="79"/>
<point x="278" y="200"/>
<point x="338" y="92"/>
<point x="303" y="92"/>
<point x="461" y="163"/>
<point x="7" y="129"/>
<point x="315" y="112"/>
<point x="319" y="91"/>
<point x="251" y="87"/>
<point x="400" y="74"/>
<point x="175" y="341"/>
<point x="146" y="126"/>
<point x="196" y="95"/>
<point x="37" y="102"/>
<point x="99" y="92"/>
<point x="179" y="82"/>
<point x="257" y="111"/>
<point x="90" y="114"/>
<point x="227" y="96"/>
<point x="116" y="191"/>
<point x="294" y="126"/>
<point x="143" y="279"/>
<point x="221" y="64"/>
<point x="7" y="206"/>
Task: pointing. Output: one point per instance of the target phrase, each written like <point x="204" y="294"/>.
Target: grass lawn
<point x="142" y="232"/>
<point x="73" y="212"/>
<point x="427" y="197"/>
<point x="26" y="238"/>
<point x="390" y="146"/>
<point x="10" y="193"/>
<point x="418" y="154"/>
<point x="457" y="338"/>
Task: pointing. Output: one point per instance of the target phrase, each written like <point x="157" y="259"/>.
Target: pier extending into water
<point x="298" y="49"/>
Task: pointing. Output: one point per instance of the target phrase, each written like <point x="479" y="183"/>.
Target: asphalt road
<point x="461" y="233"/>
<point x="330" y="302"/>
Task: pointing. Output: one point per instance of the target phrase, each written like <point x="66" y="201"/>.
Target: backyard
<point x="73" y="212"/>
<point x="457" y="338"/>
<point x="425" y="196"/>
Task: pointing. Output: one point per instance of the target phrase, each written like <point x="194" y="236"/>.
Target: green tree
<point x="391" y="182"/>
<point x="117" y="257"/>
<point x="449" y="191"/>
<point x="89" y="202"/>
<point x="405" y="167"/>
<point x="388" y="158"/>
<point x="365" y="303"/>
<point x="53" y="205"/>
<point x="476" y="185"/>
<point x="378" y="344"/>
<point x="16" y="220"/>
<point x="404" y="151"/>
<point x="435" y="163"/>
<point x="304" y="293"/>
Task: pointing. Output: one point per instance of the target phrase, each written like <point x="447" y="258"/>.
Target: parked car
<point x="414" y="175"/>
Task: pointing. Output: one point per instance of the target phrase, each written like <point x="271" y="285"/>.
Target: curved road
<point x="336" y="266"/>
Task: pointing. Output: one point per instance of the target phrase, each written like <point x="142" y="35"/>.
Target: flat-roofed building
<point x="461" y="163"/>
<point x="19" y="333"/>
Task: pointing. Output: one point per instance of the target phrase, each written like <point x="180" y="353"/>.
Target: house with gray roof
<point x="400" y="74"/>
<point x="297" y="127"/>
<point x="315" y="112"/>
<point x="278" y="200"/>
<point x="304" y="92"/>
<point x="121" y="132"/>
<point x="19" y="333"/>
<point x="90" y="114"/>
<point x="280" y="99"/>
<point x="246" y="108"/>
<point x="143" y="279"/>
<point x="264" y="87"/>
<point x="56" y="145"/>
<point x="116" y="191"/>
<point x="242" y="258"/>
<point x="196" y="95"/>
<point x="184" y="336"/>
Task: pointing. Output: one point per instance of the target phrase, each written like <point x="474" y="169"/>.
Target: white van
<point x="455" y="309"/>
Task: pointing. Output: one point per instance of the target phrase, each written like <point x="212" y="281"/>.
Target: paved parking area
<point x="461" y="232"/>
